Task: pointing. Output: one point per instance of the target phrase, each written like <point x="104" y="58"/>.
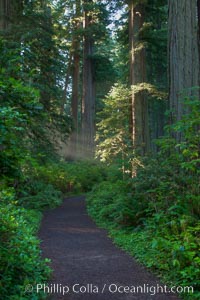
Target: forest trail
<point x="83" y="254"/>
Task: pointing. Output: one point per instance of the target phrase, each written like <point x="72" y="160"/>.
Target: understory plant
<point x="21" y="264"/>
<point x="155" y="215"/>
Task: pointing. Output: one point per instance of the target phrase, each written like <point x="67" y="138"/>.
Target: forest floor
<point x="83" y="258"/>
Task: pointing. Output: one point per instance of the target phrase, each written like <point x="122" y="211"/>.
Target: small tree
<point x="113" y="138"/>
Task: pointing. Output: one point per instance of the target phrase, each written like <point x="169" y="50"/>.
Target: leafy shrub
<point x="38" y="195"/>
<point x="20" y="260"/>
<point x="173" y="256"/>
<point x="10" y="147"/>
<point x="18" y="116"/>
<point x="163" y="235"/>
<point x="160" y="207"/>
<point x="76" y="177"/>
<point x="110" y="203"/>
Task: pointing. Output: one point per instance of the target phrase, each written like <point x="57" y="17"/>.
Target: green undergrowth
<point x="71" y="177"/>
<point x="155" y="214"/>
<point x="21" y="264"/>
<point x="23" y="198"/>
<point x="166" y="241"/>
<point x="172" y="258"/>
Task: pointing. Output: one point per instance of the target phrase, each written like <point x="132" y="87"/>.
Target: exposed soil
<point x="83" y="255"/>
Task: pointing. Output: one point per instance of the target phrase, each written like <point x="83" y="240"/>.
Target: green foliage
<point x="22" y="121"/>
<point x="20" y="258"/>
<point x="76" y="177"/>
<point x="21" y="263"/>
<point x="39" y="195"/>
<point x="162" y="235"/>
<point x="31" y="77"/>
<point x="10" y="146"/>
<point x="189" y="146"/>
<point x="175" y="257"/>
<point x="155" y="215"/>
<point x="113" y="135"/>
<point x="39" y="187"/>
<point x="19" y="107"/>
<point x="110" y="203"/>
<point x="103" y="68"/>
<point x="150" y="89"/>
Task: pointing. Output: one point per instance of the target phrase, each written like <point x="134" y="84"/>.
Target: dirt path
<point x="84" y="258"/>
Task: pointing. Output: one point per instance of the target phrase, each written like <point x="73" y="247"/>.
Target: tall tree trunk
<point x="88" y="98"/>
<point x="183" y="55"/>
<point x="10" y="12"/>
<point x="67" y="76"/>
<point x="46" y="75"/>
<point x="75" y="79"/>
<point x="4" y="14"/>
<point x="198" y="9"/>
<point x="75" y="96"/>
<point x="140" y="127"/>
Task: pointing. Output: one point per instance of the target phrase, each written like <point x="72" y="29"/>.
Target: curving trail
<point x="83" y="255"/>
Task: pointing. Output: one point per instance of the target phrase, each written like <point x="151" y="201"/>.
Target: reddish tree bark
<point x="88" y="97"/>
<point x="139" y="104"/>
<point x="183" y="56"/>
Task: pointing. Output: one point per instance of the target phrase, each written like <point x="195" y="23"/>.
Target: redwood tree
<point x="139" y="104"/>
<point x="183" y="55"/>
<point x="75" y="77"/>
<point x="88" y="97"/>
<point x="10" y="11"/>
